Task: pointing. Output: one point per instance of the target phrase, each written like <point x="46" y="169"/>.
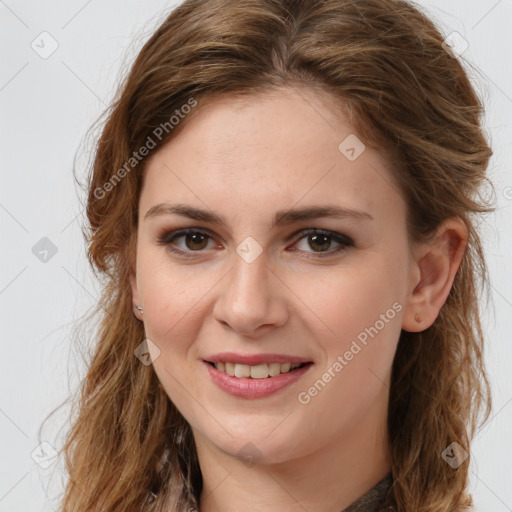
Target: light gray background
<point x="47" y="106"/>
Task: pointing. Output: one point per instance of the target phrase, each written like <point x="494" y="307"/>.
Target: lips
<point x="255" y="376"/>
<point x="255" y="359"/>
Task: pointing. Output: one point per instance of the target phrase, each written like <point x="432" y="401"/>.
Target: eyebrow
<point x="281" y="218"/>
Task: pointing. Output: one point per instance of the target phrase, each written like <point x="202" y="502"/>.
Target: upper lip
<point x="254" y="359"/>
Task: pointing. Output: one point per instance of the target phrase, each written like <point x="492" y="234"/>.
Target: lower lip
<point x="255" y="388"/>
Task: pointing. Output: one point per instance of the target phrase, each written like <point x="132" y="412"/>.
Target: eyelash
<point x="167" y="238"/>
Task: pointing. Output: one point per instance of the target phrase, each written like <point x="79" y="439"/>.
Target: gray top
<point x="370" y="501"/>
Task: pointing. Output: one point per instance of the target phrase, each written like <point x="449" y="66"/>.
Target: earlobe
<point x="137" y="309"/>
<point x="436" y="265"/>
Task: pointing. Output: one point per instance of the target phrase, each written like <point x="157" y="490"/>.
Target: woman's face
<point x="258" y="289"/>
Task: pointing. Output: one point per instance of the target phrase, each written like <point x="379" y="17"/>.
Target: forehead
<point x="269" y="150"/>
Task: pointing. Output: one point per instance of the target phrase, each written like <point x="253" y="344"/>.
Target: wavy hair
<point x="385" y="64"/>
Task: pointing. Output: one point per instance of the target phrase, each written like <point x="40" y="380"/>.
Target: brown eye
<point x="195" y="241"/>
<point x="322" y="242"/>
<point x="185" y="241"/>
<point x="316" y="242"/>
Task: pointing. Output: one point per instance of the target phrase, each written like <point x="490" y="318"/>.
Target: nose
<point x="252" y="298"/>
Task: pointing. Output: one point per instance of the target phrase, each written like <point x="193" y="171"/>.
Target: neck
<point x="330" y="478"/>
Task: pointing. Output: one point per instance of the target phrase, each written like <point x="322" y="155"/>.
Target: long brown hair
<point x="385" y="63"/>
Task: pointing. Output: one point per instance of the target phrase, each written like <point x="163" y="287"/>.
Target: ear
<point x="434" y="267"/>
<point x="135" y="297"/>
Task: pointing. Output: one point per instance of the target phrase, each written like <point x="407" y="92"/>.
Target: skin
<point x="245" y="159"/>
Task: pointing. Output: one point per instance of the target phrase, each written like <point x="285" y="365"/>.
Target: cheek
<point x="363" y="311"/>
<point x="360" y="311"/>
<point x="173" y="316"/>
<point x="347" y="301"/>
<point x="164" y="281"/>
<point x="171" y="298"/>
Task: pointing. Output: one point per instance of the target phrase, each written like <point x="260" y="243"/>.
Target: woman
<point x="282" y="205"/>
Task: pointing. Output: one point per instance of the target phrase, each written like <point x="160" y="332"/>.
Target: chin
<point x="260" y="444"/>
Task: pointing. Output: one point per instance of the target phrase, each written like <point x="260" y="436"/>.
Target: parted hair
<point x="385" y="64"/>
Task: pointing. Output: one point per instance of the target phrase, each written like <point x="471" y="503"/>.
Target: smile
<point x="259" y="371"/>
<point x="255" y="381"/>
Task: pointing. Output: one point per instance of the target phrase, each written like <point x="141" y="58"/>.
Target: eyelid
<point x="345" y="241"/>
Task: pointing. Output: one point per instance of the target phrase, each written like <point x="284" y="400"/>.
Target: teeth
<point x="242" y="370"/>
<point x="274" y="369"/>
<point x="260" y="371"/>
<point x="230" y="369"/>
